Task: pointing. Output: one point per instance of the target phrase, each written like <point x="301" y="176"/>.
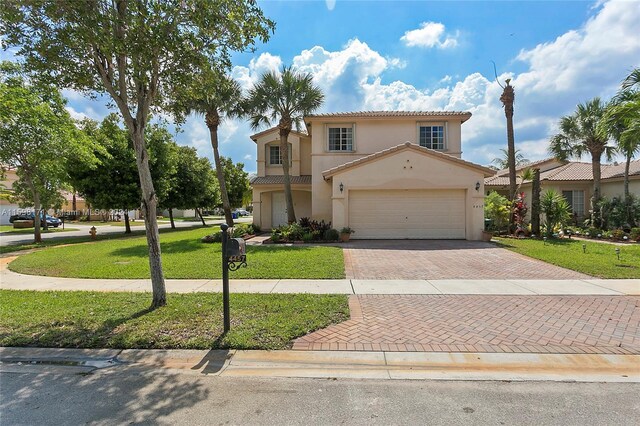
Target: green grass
<point x="9" y="229"/>
<point x="183" y="256"/>
<point x="600" y="259"/>
<point x="121" y="320"/>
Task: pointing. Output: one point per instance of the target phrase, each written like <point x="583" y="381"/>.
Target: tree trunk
<point x="201" y="218"/>
<point x="173" y="225"/>
<point x="627" y="201"/>
<point x="507" y="98"/>
<point x="37" y="235"/>
<point x="288" y="195"/>
<point x="45" y="225"/>
<point x="596" y="218"/>
<point x="535" y="203"/>
<point x="212" y="120"/>
<point x="148" y="206"/>
<point x="74" y="203"/>
<point x="127" y="225"/>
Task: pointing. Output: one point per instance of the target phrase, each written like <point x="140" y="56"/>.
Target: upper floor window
<point x="431" y="136"/>
<point x="340" y="138"/>
<point x="275" y="158"/>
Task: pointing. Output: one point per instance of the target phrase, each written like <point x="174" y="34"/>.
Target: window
<point x="431" y="136"/>
<point x="576" y="201"/>
<point x="275" y="159"/>
<point x="341" y="138"/>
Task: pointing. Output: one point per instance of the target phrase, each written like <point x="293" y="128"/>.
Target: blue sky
<point x="401" y="55"/>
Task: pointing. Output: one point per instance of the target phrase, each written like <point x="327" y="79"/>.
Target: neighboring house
<point x="574" y="180"/>
<point x="385" y="174"/>
<point x="7" y="208"/>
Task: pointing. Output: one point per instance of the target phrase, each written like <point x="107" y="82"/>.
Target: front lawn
<point x="599" y="260"/>
<point x="183" y="256"/>
<point x="190" y="321"/>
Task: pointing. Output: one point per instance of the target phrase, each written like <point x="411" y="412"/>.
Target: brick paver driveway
<point x="443" y="259"/>
<point x="442" y="323"/>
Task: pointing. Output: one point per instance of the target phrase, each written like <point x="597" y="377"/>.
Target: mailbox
<point x="236" y="247"/>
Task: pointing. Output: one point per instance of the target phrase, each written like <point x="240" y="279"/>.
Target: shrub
<point x="331" y="235"/>
<point x="556" y="210"/>
<point x="634" y="235"/>
<point x="617" y="234"/>
<point x="347" y="230"/>
<point x="496" y="209"/>
<point x="212" y="238"/>
<point x="307" y="238"/>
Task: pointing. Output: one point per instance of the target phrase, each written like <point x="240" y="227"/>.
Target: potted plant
<point x="345" y="234"/>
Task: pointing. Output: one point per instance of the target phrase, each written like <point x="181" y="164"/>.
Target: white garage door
<point x="420" y="214"/>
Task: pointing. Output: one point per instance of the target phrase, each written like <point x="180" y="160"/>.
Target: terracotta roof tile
<point x="384" y="114"/>
<point x="279" y="180"/>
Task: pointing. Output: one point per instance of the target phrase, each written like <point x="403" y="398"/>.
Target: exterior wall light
<point x="478" y="186"/>
<point x="341" y="187"/>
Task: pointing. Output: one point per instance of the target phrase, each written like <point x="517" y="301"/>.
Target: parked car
<point x="241" y="212"/>
<point x="51" y="221"/>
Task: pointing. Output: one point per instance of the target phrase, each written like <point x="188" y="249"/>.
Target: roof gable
<point x="404" y="147"/>
<point x="274" y="129"/>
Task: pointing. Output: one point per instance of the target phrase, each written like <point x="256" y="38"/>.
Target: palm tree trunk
<point x="627" y="201"/>
<point x="212" y="120"/>
<point x="596" y="218"/>
<point x="127" y="225"/>
<point x="148" y="206"/>
<point x="507" y="98"/>
<point x="288" y="194"/>
<point x="173" y="225"/>
<point x="535" y="203"/>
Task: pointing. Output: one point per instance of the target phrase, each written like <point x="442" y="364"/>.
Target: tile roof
<point x="406" y="145"/>
<point x="255" y="136"/>
<point x="384" y="114"/>
<point x="573" y="171"/>
<point x="505" y="172"/>
<point x="279" y="180"/>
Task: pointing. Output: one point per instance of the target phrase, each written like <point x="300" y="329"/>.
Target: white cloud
<point x="430" y="34"/>
<point x="248" y="157"/>
<point x="248" y="76"/>
<point x="331" y="4"/>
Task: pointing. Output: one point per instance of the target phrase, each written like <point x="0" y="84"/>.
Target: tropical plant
<point x="215" y="96"/>
<point x="507" y="98"/>
<point x="283" y="98"/>
<point x="137" y="52"/>
<point x="556" y="210"/>
<point x="622" y="123"/>
<point x="502" y="162"/>
<point x="581" y="133"/>
<point x="496" y="209"/>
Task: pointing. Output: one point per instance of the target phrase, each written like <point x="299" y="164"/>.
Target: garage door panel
<point x="429" y="214"/>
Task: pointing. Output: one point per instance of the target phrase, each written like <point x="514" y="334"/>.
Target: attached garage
<point x="408" y="192"/>
<point x="408" y="213"/>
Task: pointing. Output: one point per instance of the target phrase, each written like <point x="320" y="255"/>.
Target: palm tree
<point x="581" y="133"/>
<point x="215" y="96"/>
<point x="503" y="161"/>
<point x="283" y="98"/>
<point x="622" y="123"/>
<point x="507" y="98"/>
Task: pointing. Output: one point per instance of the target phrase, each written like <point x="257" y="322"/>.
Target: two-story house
<point x="385" y="174"/>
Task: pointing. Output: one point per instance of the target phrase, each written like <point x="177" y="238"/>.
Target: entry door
<point x="278" y="209"/>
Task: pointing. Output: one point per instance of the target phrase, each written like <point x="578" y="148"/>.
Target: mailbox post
<point x="233" y="257"/>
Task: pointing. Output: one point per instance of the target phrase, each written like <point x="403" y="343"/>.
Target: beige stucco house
<point x="385" y="174"/>
<point x="574" y="180"/>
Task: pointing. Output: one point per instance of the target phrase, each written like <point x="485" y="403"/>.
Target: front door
<point x="278" y="209"/>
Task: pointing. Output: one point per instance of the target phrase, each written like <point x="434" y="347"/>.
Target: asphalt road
<point x="162" y="397"/>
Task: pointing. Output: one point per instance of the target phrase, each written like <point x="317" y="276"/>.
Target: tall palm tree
<point x="283" y="98"/>
<point x="622" y="122"/>
<point x="508" y="98"/>
<point x="503" y="161"/>
<point x="581" y="133"/>
<point x="215" y="96"/>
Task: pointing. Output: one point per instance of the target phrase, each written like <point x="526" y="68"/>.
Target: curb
<point x="329" y="364"/>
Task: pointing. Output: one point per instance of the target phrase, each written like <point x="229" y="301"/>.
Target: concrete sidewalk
<point x="364" y="365"/>
<point x="13" y="281"/>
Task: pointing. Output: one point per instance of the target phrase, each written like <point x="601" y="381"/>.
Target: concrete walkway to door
<point x="443" y="260"/>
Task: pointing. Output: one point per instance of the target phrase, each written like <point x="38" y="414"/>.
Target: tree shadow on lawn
<point x="180" y="246"/>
